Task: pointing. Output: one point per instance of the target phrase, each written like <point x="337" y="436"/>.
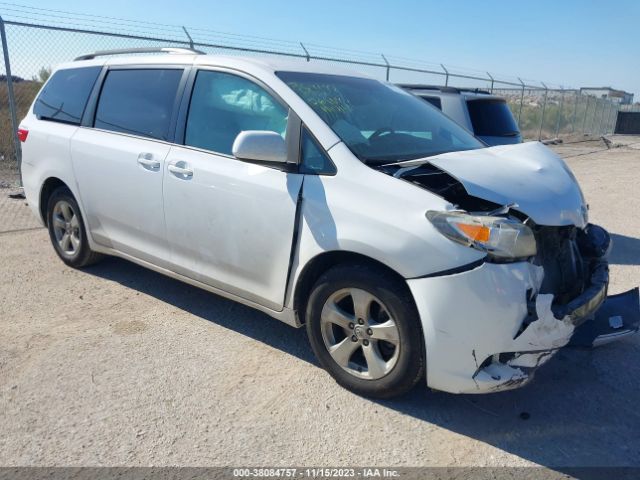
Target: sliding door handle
<point x="147" y="161"/>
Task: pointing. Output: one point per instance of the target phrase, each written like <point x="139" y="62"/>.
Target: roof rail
<point x="123" y="51"/>
<point x="476" y="90"/>
<point x="418" y="86"/>
<point x="444" y="89"/>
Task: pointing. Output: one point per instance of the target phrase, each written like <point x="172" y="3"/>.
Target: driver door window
<point x="223" y="105"/>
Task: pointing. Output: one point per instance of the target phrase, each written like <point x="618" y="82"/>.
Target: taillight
<point x="22" y="134"/>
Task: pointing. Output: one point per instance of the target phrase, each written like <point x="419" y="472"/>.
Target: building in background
<point x="619" y="96"/>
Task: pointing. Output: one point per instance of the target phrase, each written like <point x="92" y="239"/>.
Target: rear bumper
<point x="31" y="190"/>
<point x="488" y="329"/>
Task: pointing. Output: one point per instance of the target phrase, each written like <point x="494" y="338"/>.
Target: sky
<point x="562" y="42"/>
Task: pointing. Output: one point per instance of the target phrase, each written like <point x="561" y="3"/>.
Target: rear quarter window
<point x="65" y="95"/>
<point x="435" y="101"/>
<point x="492" y="118"/>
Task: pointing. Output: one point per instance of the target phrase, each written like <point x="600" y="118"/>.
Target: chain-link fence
<point x="556" y="113"/>
<point x="35" y="39"/>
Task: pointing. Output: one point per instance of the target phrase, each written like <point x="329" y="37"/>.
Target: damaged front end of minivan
<point x="542" y="284"/>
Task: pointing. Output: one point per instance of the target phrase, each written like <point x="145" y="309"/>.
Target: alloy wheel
<point x="360" y="334"/>
<point x="66" y="228"/>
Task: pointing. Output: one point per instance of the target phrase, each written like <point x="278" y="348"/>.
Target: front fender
<point x="375" y="215"/>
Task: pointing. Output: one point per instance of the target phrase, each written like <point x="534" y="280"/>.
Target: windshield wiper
<point x="401" y="171"/>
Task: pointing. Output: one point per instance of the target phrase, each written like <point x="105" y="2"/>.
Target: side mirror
<point x="260" y="146"/>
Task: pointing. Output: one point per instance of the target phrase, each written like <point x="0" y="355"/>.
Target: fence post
<point x="614" y="120"/>
<point x="12" y="99"/>
<point x="559" y="112"/>
<point x="544" y="107"/>
<point x="604" y="107"/>
<point x="592" y="123"/>
<point x="605" y="120"/>
<point x="586" y="111"/>
<point x="575" y="110"/>
<point x="521" y="101"/>
<point x="387" y="64"/>
<point x="306" y="52"/>
<point x="188" y="36"/>
<point x="491" y="81"/>
<point x="446" y="72"/>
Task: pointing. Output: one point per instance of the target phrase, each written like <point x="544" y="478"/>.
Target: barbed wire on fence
<point x="34" y="39"/>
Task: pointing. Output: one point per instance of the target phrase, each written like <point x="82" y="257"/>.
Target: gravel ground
<point x="117" y="365"/>
<point x="9" y="175"/>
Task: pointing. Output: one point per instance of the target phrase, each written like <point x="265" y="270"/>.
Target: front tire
<point x="365" y="330"/>
<point x="67" y="230"/>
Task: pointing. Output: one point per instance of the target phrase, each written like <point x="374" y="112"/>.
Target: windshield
<point x="380" y="123"/>
<point x="492" y="118"/>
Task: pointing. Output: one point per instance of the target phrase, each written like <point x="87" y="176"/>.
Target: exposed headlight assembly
<point x="502" y="238"/>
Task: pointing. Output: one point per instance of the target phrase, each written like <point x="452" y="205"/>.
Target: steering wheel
<point x="381" y="131"/>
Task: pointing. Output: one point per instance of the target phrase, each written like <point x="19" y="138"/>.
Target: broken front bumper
<point x="486" y="330"/>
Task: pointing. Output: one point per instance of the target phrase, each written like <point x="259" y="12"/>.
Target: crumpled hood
<point x="528" y="174"/>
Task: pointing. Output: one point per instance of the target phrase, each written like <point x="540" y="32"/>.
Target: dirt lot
<point x="117" y="365"/>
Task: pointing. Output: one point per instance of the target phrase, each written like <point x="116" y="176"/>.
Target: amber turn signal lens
<point x="503" y="238"/>
<point x="478" y="233"/>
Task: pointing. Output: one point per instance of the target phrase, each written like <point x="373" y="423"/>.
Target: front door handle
<point x="147" y="161"/>
<point x="180" y="169"/>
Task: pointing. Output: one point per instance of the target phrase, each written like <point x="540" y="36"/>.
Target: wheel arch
<point x="50" y="185"/>
<point x="321" y="263"/>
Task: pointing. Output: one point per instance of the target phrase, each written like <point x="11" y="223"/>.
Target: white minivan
<point x="324" y="198"/>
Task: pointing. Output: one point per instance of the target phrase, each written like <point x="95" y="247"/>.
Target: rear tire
<point x="365" y="330"/>
<point x="67" y="230"/>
